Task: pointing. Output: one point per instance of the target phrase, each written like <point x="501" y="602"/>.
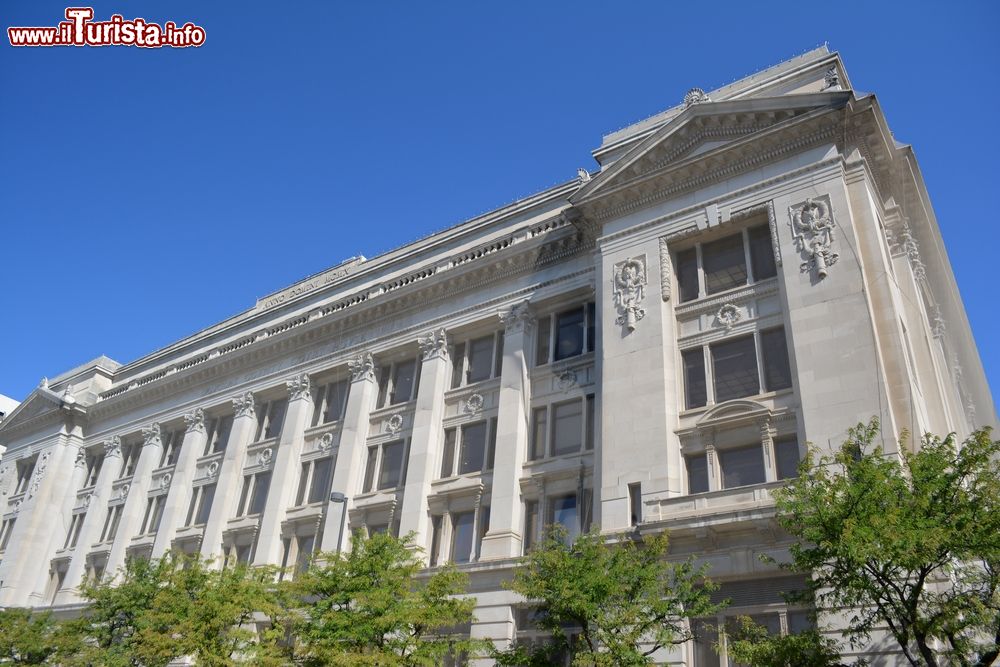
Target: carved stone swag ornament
<point x="812" y="230"/>
<point x="629" y="285"/>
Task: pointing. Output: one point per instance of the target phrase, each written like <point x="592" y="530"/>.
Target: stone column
<point x="138" y="493"/>
<point x="426" y="438"/>
<point x="227" y="488"/>
<point x="93" y="522"/>
<point x="767" y="446"/>
<point x="179" y="495"/>
<point x="504" y="538"/>
<point x="351" y="451"/>
<point x="285" y="474"/>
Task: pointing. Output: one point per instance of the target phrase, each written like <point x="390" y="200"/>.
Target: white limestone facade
<point x="646" y="347"/>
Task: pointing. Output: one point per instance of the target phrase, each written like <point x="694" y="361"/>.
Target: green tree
<point x="369" y="607"/>
<point x="909" y="542"/>
<point x="751" y="644"/>
<point x="626" y="599"/>
<point x="160" y="610"/>
<point x="27" y="638"/>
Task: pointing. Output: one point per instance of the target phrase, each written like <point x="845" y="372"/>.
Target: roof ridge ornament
<point x="695" y="96"/>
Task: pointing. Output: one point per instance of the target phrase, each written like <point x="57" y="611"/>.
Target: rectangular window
<point x="543" y="340"/>
<point x="530" y="524"/>
<point x="457" y="365"/>
<point x="71" y="537"/>
<point x="697" y="470"/>
<point x="473" y="448"/>
<point x="8" y="528"/>
<point x="724" y="264"/>
<point x="591" y="417"/>
<point x="330" y="401"/>
<point x="569" y="334"/>
<point x="435" y="539"/>
<point x="734" y="366"/>
<point x="24" y="471"/>
<point x="484" y="527"/>
<point x="687" y="274"/>
<point x="786" y="454"/>
<point x="262" y="484"/>
<point x="205" y="504"/>
<point x="304" y="551"/>
<point x="271" y="420"/>
<point x="463" y="525"/>
<point x="591" y="326"/>
<point x="761" y="253"/>
<point x="567" y="428"/>
<point x="491" y="445"/>
<point x="391" y="474"/>
<point x="563" y="510"/>
<point x="300" y="494"/>
<point x="635" y="502"/>
<point x="539" y="419"/>
<point x="218" y="434"/>
<point x="448" y="459"/>
<point x="403" y="381"/>
<point x="695" y="390"/>
<point x="384" y="373"/>
<point x="370" y="469"/>
<point x="777" y="374"/>
<point x="244" y="494"/>
<point x="319" y="489"/>
<point x="171" y="442"/>
<point x="480" y="360"/>
<point x="130" y="457"/>
<point x="498" y="356"/>
<point x="111" y="523"/>
<point x="741" y="467"/>
<point x="154" y="512"/>
<point x="94" y="463"/>
<point x="243" y="552"/>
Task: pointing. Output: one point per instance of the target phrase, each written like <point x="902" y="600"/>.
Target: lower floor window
<point x="742" y="466"/>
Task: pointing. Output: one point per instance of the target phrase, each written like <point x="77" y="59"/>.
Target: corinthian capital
<point x="299" y="387"/>
<point x="195" y="421"/>
<point x="362" y="367"/>
<point x="151" y="435"/>
<point x="244" y="405"/>
<point x="434" y="344"/>
<point x="519" y="318"/>
<point x="113" y="447"/>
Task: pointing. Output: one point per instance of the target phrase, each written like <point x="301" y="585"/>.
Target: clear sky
<point x="146" y="194"/>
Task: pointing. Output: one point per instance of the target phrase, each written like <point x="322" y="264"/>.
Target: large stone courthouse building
<point x="649" y="346"/>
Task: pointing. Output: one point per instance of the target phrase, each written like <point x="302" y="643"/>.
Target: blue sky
<point x="146" y="194"/>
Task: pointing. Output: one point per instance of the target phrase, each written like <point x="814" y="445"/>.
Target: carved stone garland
<point x="434" y="345"/>
<point x="812" y="229"/>
<point x="629" y="287"/>
<point x="362" y="367"/>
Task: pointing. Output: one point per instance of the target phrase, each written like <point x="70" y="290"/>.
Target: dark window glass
<point x="484" y="527"/>
<point x="370" y="468"/>
<point x="275" y="418"/>
<point x="567" y="428"/>
<point x="498" y="357"/>
<point x="260" y="489"/>
<point x="448" y="459"/>
<point x="205" y="506"/>
<point x="799" y="621"/>
<point x="242" y="508"/>
<point x="591" y="326"/>
<point x="635" y="502"/>
<point x="473" y="448"/>
<point x="457" y="362"/>
<point x="336" y="400"/>
<point x="761" y="253"/>
<point x="383" y="384"/>
<point x="154" y="522"/>
<point x="697" y="467"/>
<point x="786" y="453"/>
<point x="392" y="465"/>
<point x="538" y="423"/>
<point x="530" y="524"/>
<point x="695" y="391"/>
<point x="461" y="539"/>
<point x="687" y="274"/>
<point x="741" y="467"/>
<point x="591" y="410"/>
<point x="480" y="359"/>
<point x="777" y="374"/>
<point x="569" y="334"/>
<point x="403" y="382"/>
<point x="542" y="336"/>
<point x="491" y="445"/>
<point x="300" y="495"/>
<point x="734" y="363"/>
<point x="564" y="511"/>
<point x="724" y="264"/>
<point x="192" y="506"/>
<point x="320" y="487"/>
<point x="221" y="426"/>
<point x="435" y="540"/>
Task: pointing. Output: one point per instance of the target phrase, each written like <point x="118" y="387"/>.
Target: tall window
<point x="94" y="463"/>
<point x="75" y="526"/>
<point x="201" y="505"/>
<point x="314" y="481"/>
<point x="386" y="466"/>
<point x="475" y="444"/>
<point x="171" y="442"/>
<point x="565" y="334"/>
<point x="477" y="360"/>
<point x="735" y="373"/>
<point x="218" y="434"/>
<point x="397" y="382"/>
<point x="154" y="512"/>
<point x="562" y="428"/>
<point x="786" y="454"/>
<point x="270" y="419"/>
<point x="24" y="471"/>
<point x="330" y="401"/>
<point x="253" y="497"/>
<point x="111" y="523"/>
<point x="463" y="525"/>
<point x="727" y="263"/>
<point x="130" y="458"/>
<point x="743" y="465"/>
<point x="5" y="530"/>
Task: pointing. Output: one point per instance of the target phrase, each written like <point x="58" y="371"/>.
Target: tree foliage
<point x="624" y="598"/>
<point x="27" y="638"/>
<point x="751" y="644"/>
<point x="369" y="607"/>
<point x="909" y="542"/>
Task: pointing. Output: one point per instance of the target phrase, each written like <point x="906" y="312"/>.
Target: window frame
<point x="250" y="493"/>
<point x="307" y="481"/>
<point x="681" y="259"/>
<point x="220" y="424"/>
<point x="373" y="466"/>
<point x="322" y="398"/>
<point x="266" y="418"/>
<point x="547" y="428"/>
<point x="461" y="359"/>
<point x="547" y="333"/>
<point x="387" y="381"/>
<point x="453" y="447"/>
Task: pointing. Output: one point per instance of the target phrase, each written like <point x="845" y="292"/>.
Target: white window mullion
<point x="702" y="290"/>
<point x="751" y="279"/>
<point x="758" y="353"/>
<point x="709" y="376"/>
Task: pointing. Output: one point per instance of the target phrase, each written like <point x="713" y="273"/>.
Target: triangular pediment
<point x="705" y="131"/>
<point x="39" y="402"/>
